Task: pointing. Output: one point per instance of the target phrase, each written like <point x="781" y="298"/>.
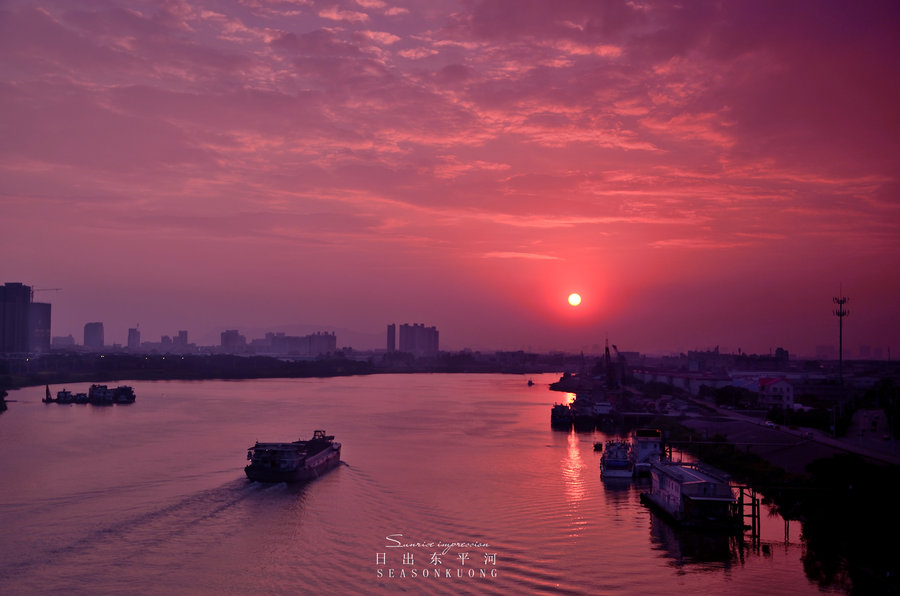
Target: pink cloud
<point x="642" y="140"/>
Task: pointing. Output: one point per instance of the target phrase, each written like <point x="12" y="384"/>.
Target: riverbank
<point x="838" y="496"/>
<point x="59" y="368"/>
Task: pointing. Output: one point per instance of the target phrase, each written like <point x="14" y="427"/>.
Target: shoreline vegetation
<point x="55" y="369"/>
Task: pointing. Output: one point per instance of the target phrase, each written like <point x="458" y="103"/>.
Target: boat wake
<point x="197" y="521"/>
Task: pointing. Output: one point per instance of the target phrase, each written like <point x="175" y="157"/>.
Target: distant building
<point x="63" y="342"/>
<point x="232" y="341"/>
<point x="15" y="299"/>
<point x="134" y="339"/>
<point x="322" y="343"/>
<point x="391" y="337"/>
<point x="24" y="325"/>
<point x="826" y="353"/>
<point x="181" y="340"/>
<point x="782" y="355"/>
<point x="776" y="392"/>
<point x="39" y="327"/>
<point x="315" y="344"/>
<point x="419" y="340"/>
<point x="93" y="336"/>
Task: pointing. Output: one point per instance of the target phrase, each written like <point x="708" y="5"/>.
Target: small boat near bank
<point x="561" y="416"/>
<point x="98" y="395"/>
<point x="296" y="461"/>
<point x="616" y="461"/>
<point x="646" y="449"/>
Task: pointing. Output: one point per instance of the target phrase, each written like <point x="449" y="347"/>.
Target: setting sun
<point x="574" y="299"/>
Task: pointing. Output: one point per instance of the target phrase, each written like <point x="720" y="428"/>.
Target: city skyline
<point x="373" y="342"/>
<point x="703" y="175"/>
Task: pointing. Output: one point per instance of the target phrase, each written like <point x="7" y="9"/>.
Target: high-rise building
<point x="93" y="336"/>
<point x="134" y="339"/>
<point x="391" y="337"/>
<point x="419" y="340"/>
<point x="232" y="341"/>
<point x="321" y="343"/>
<point x="39" y="327"/>
<point x="24" y="325"/>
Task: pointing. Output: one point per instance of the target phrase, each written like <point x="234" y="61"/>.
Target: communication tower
<point x="840" y="312"/>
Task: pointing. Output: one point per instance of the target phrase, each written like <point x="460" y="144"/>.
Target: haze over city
<point x="706" y="174"/>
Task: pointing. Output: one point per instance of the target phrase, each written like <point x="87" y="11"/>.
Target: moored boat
<point x="98" y="395"/>
<point x="123" y="394"/>
<point x="646" y="449"/>
<point x="294" y="461"/>
<point x="692" y="495"/>
<point x="101" y="395"/>
<point x="616" y="460"/>
<point x="561" y="416"/>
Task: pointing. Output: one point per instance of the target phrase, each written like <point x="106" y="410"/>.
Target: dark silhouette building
<point x="314" y="344"/>
<point x="391" y="337"/>
<point x="233" y="342"/>
<point x="39" y="327"/>
<point x="93" y="336"/>
<point x="134" y="339"/>
<point x="419" y="340"/>
<point x="24" y="325"/>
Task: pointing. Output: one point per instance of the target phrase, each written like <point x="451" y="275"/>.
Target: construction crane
<point x="619" y="356"/>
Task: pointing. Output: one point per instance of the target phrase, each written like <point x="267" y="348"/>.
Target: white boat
<point x="646" y="449"/>
<point x="616" y="460"/>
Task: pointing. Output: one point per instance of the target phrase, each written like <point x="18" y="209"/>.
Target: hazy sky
<point x="702" y="174"/>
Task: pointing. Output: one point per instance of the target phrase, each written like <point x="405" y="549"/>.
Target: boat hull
<point x="322" y="463"/>
<point x="615" y="472"/>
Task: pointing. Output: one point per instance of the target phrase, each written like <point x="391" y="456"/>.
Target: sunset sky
<point x="704" y="174"/>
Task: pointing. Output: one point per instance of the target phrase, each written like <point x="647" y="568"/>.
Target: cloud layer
<point x="468" y="164"/>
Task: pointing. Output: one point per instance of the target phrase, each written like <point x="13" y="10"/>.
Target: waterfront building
<point x="63" y="341"/>
<point x="232" y="341"/>
<point x="321" y="343"/>
<point x="24" y="325"/>
<point x="391" y="337"/>
<point x="14" y="301"/>
<point x="93" y="335"/>
<point x="134" y="339"/>
<point x="181" y="340"/>
<point x="419" y="340"/>
<point x="39" y="327"/>
<point x="278" y="343"/>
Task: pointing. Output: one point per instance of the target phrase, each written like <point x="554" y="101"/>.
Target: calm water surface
<point x="151" y="498"/>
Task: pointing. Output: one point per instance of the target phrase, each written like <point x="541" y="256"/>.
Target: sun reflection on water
<point x="572" y="471"/>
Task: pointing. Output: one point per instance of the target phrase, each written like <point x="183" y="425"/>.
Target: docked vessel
<point x="561" y="416"/>
<point x="616" y="460"/>
<point x="646" y="449"/>
<point x="295" y="461"/>
<point x="692" y="495"/>
<point x="97" y="395"/>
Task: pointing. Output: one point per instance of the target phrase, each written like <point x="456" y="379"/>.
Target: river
<point x="450" y="484"/>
